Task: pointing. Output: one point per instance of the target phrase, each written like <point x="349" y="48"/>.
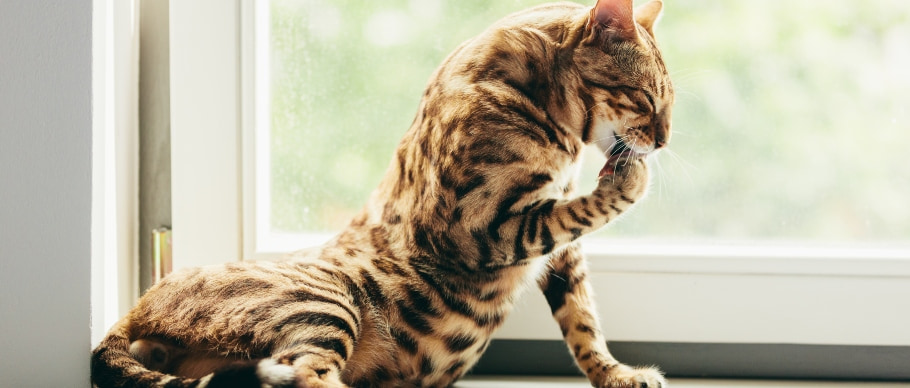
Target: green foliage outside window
<point x="792" y="118"/>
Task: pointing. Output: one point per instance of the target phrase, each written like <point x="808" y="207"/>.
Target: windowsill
<point x="570" y="382"/>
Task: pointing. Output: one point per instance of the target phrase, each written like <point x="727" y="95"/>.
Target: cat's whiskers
<point x="682" y="76"/>
<point x="686" y="166"/>
<point x="687" y="93"/>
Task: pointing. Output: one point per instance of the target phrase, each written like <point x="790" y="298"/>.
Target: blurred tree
<point x="791" y="119"/>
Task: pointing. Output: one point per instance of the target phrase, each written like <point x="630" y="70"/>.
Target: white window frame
<point x="115" y="161"/>
<point x="711" y="293"/>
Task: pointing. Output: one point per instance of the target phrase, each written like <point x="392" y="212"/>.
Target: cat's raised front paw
<point x="629" y="176"/>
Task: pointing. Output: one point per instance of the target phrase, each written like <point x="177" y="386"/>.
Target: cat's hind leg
<point x="156" y="354"/>
<point x="166" y="356"/>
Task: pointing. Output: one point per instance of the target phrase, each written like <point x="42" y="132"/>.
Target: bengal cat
<point x="476" y="206"/>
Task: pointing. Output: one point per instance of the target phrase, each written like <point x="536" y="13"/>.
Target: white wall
<point x="45" y="192"/>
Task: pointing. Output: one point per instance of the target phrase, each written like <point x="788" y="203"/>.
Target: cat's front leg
<point x="569" y="295"/>
<point x="550" y="224"/>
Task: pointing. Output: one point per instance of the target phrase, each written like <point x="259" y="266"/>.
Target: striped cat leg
<point x="568" y="292"/>
<point x="551" y="224"/>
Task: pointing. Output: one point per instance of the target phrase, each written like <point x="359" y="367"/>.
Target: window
<point x="777" y="217"/>
<point x="790" y="122"/>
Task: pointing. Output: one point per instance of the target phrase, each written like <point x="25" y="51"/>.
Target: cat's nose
<point x="662" y="131"/>
<point x="660" y="140"/>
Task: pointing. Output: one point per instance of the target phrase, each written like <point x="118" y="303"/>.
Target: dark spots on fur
<point x="313" y="284"/>
<point x="455" y="302"/>
<point x="404" y="340"/>
<point x="588" y="213"/>
<point x="448" y="177"/>
<point x="642" y="106"/>
<point x="504" y="212"/>
<point x="584" y="328"/>
<point x="533" y="223"/>
<point x="578" y="219"/>
<point x="426" y="366"/>
<point x="491" y="295"/>
<point x="555" y="289"/>
<point x="388" y="267"/>
<point x="576" y="233"/>
<point x="433" y="242"/>
<point x="247" y="339"/>
<point x="442" y="206"/>
<point x="585" y="357"/>
<point x="546" y="238"/>
<point x="415" y="319"/>
<point x="489" y="320"/>
<point x="373" y="290"/>
<point x="483" y="246"/>
<point x="321" y="372"/>
<point x="332" y="344"/>
<point x="448" y="247"/>
<point x="421" y="302"/>
<point x="381" y="374"/>
<point x="380" y="240"/>
<point x="390" y="216"/>
<point x="473" y="183"/>
<point x="306" y="295"/>
<point x="487" y="154"/>
<point x="456" y="369"/>
<point x="457" y="214"/>
<point x="520" y="253"/>
<point x="422" y="237"/>
<point x="459" y="342"/>
<point x="312" y="319"/>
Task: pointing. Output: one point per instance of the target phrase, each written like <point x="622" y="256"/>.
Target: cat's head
<point x="623" y="78"/>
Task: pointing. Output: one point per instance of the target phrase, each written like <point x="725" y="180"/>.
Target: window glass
<point x="791" y="121"/>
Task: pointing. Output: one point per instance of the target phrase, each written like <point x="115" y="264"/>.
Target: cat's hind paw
<point x="273" y="375"/>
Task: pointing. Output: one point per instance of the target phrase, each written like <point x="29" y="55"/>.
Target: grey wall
<point x="45" y="192"/>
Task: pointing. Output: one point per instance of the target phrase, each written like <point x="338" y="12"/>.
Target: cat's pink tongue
<point x="607" y="170"/>
<point x="610" y="167"/>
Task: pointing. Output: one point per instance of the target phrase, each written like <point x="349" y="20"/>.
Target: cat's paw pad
<point x="627" y="377"/>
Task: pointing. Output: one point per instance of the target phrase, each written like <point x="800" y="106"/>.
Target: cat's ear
<point x="615" y="18"/>
<point x="647" y="14"/>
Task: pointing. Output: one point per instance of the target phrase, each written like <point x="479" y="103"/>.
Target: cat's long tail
<point x="113" y="366"/>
